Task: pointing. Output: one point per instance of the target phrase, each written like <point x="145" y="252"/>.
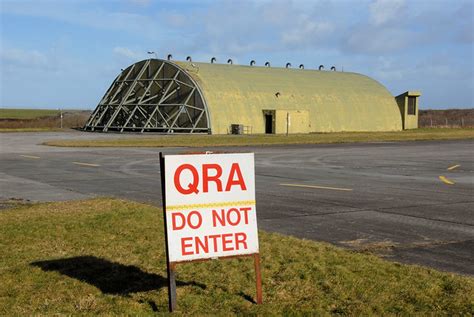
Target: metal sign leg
<point x="172" y="286"/>
<point x="258" y="278"/>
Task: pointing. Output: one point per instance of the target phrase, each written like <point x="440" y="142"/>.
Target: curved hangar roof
<point x="167" y="96"/>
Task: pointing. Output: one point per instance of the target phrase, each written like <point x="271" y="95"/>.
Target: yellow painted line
<point x="30" y="156"/>
<point x="453" y="167"/>
<point x="318" y="187"/>
<point x="445" y="180"/>
<point x="86" y="164"/>
<point x="222" y="204"/>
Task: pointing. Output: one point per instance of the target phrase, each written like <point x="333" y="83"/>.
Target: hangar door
<point x="291" y="121"/>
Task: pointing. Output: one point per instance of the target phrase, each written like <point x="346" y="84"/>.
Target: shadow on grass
<point x="109" y="277"/>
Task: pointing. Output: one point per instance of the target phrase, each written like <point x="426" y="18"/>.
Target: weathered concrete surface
<point x="385" y="197"/>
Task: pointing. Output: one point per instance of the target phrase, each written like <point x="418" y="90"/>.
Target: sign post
<point x="169" y="268"/>
<point x="209" y="211"/>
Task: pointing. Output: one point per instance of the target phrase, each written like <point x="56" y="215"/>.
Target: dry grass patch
<point x="106" y="256"/>
<point x="446" y="118"/>
<point x="37" y="120"/>
<point x="11" y="130"/>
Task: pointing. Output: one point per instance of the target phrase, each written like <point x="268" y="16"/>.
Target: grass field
<point x="106" y="256"/>
<point x="38" y="120"/>
<point x="245" y="140"/>
<point x="27" y="113"/>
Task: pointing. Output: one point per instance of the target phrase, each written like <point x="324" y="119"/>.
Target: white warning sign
<point x="210" y="206"/>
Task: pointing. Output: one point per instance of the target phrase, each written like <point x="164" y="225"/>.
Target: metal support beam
<point x="127" y="94"/>
<point x="137" y="101"/>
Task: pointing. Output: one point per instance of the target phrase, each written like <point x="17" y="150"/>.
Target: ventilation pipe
<point x="189" y="59"/>
<point x="267" y="64"/>
<point x="321" y="67"/>
<point x="252" y="62"/>
<point x="301" y="66"/>
<point x="169" y="57"/>
<point x="229" y="61"/>
<point x="333" y="68"/>
<point x="288" y="65"/>
<point x="213" y="60"/>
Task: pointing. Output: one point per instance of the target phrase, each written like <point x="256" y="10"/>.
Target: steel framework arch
<point x="152" y="95"/>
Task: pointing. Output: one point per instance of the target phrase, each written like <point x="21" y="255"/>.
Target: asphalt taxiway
<point x="411" y="202"/>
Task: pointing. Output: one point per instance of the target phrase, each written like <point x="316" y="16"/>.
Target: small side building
<point x="408" y="105"/>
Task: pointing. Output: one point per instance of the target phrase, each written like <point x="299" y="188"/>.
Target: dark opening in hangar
<point x="152" y="95"/>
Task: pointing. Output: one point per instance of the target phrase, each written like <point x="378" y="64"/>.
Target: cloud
<point x="386" y="30"/>
<point x="435" y="67"/>
<point x="14" y="57"/>
<point x="92" y="16"/>
<point x="306" y="32"/>
<point x="256" y="26"/>
<point x="388" y="40"/>
<point x="434" y="75"/>
<point x="126" y="52"/>
<point x="143" y="3"/>
<point x="370" y="40"/>
<point x="384" y="11"/>
<point x="176" y="20"/>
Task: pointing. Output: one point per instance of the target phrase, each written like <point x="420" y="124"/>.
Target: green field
<point x="11" y="130"/>
<point x="27" y="113"/>
<point x="265" y="139"/>
<point x="106" y="256"/>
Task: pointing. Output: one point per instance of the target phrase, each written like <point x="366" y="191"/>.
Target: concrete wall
<point x="409" y="121"/>
<point x="333" y="101"/>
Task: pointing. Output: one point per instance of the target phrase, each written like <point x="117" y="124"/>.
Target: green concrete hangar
<point x="186" y="97"/>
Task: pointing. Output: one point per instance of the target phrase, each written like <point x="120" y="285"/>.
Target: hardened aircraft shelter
<point x="165" y="96"/>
